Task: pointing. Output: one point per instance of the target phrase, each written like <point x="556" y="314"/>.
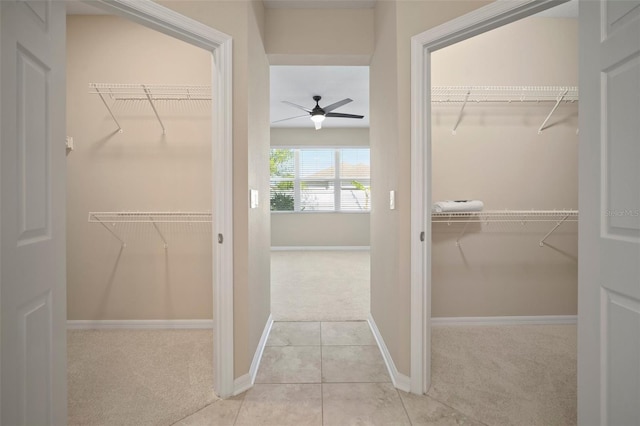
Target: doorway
<point x="320" y="194"/>
<point x="423" y="45"/>
<point x="171" y="23"/>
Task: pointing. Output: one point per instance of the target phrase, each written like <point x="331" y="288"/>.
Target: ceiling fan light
<point x="317" y="120"/>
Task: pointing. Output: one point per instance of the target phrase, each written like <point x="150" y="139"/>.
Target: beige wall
<point x="243" y="21"/>
<point x="137" y="170"/>
<point x="498" y="156"/>
<point x="319" y="229"/>
<point x="319" y="36"/>
<point x="390" y="132"/>
<point x="258" y="296"/>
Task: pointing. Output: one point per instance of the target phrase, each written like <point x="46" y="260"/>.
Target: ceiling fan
<point x="318" y="114"/>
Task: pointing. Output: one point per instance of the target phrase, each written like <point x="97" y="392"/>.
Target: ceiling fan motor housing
<point x="317" y="110"/>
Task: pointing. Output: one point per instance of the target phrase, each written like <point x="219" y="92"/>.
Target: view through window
<point x="320" y="179"/>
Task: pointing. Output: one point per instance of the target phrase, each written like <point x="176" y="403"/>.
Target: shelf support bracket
<point x="552" y="230"/>
<point x="464" y="104"/>
<point x="148" y="93"/>
<point x="555" y="107"/>
<point x="464" y="229"/>
<point x="104" y="101"/>
<point x="155" y="225"/>
<point x="111" y="231"/>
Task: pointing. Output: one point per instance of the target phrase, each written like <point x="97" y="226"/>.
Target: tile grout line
<point x="403" y="406"/>
<point x="455" y="409"/>
<point x="235" y="419"/>
<point x="194" y="413"/>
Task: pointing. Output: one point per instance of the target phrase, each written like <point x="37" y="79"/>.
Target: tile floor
<point x="324" y="373"/>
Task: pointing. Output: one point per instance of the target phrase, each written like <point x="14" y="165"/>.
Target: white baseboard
<point x="245" y="381"/>
<point x="399" y="380"/>
<point x="507" y="320"/>
<point x="319" y="248"/>
<point x="138" y="324"/>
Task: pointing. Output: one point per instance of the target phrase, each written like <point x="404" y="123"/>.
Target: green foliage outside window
<point x="281" y="165"/>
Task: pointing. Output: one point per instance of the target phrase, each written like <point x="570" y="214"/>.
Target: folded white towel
<point x="448" y="206"/>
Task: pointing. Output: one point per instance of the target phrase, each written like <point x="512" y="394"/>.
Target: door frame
<point x="157" y="17"/>
<point x="476" y="22"/>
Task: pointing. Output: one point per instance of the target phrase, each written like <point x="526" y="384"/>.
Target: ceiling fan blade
<point x="337" y="105"/>
<point x="297" y="106"/>
<point x="339" y="115"/>
<point x="290" y="118"/>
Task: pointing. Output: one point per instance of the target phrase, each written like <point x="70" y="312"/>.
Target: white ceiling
<point x="298" y="84"/>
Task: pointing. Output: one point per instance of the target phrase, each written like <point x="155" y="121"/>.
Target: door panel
<point x="32" y="213"/>
<point x="33" y="148"/>
<point x="621" y="329"/>
<point x="609" y="279"/>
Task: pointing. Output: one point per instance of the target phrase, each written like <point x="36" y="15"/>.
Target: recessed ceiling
<point x="298" y="84"/>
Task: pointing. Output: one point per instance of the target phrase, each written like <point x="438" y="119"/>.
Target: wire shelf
<point x="148" y="93"/>
<point x="154" y="218"/>
<point x="150" y="217"/>
<point x="505" y="216"/>
<point x="463" y="94"/>
<point x="158" y="92"/>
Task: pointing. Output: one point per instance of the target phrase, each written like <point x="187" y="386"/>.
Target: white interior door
<point x="32" y="221"/>
<point x="609" y="292"/>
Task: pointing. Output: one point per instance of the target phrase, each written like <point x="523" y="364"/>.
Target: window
<point x="320" y="179"/>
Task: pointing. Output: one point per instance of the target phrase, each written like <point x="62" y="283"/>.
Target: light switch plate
<point x="253" y="198"/>
<point x="70" y="143"/>
<point x="392" y="200"/>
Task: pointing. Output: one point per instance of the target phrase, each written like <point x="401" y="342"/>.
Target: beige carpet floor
<point x="507" y="375"/>
<point x="138" y="377"/>
<point x="320" y="285"/>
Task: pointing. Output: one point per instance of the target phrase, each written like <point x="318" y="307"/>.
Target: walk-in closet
<point x="139" y="249"/>
<point x="504" y="219"/>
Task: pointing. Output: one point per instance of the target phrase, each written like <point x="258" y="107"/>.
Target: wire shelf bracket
<point x="555" y="107"/>
<point x="151" y="93"/>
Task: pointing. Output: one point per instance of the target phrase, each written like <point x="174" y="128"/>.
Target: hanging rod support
<point x="555" y="107"/>
<point x="111" y="231"/>
<point x="109" y="109"/>
<point x="554" y="228"/>
<point x="466" y="98"/>
<point x="155" y="225"/>
<point x="461" y="234"/>
<point x="148" y="93"/>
